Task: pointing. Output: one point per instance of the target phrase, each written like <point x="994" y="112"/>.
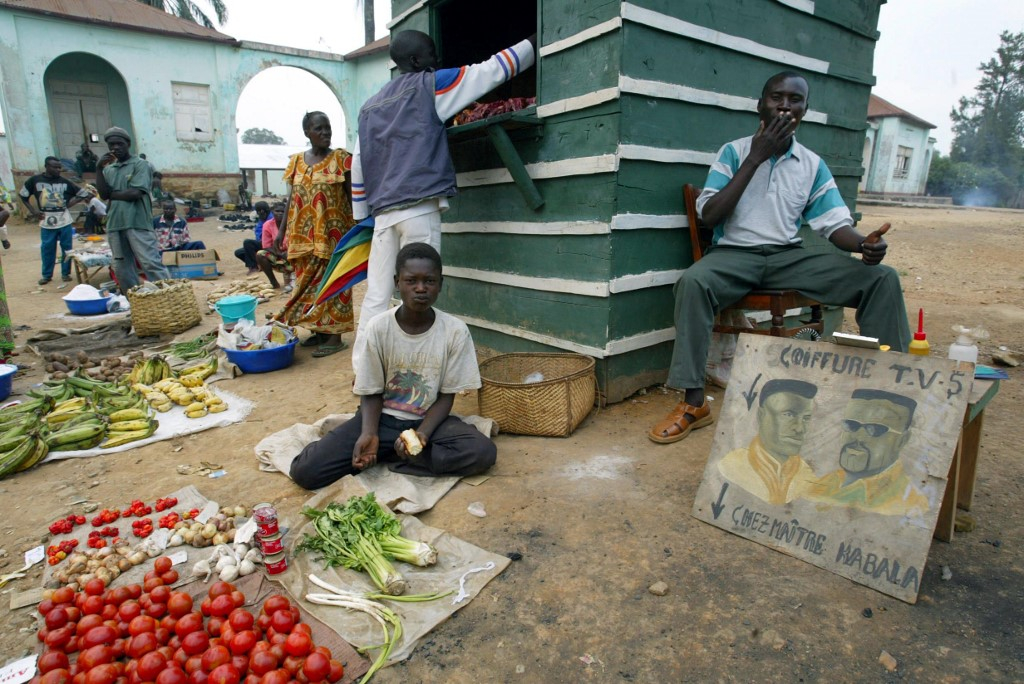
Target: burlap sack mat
<point x="454" y="558"/>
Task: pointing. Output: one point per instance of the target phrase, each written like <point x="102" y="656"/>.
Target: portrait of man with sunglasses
<point x="875" y="426"/>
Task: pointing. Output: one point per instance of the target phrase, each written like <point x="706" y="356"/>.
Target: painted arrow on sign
<point x="717" y="508"/>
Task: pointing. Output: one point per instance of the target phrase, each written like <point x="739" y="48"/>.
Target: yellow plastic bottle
<point x="919" y="345"/>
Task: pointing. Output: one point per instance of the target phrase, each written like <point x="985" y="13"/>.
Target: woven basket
<point x="170" y="309"/>
<point x="553" y="407"/>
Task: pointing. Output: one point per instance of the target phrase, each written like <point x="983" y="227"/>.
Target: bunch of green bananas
<point x="27" y="450"/>
<point x="153" y="369"/>
<point x="58" y="390"/>
<point x="21" y="446"/>
<point x="83" y="430"/>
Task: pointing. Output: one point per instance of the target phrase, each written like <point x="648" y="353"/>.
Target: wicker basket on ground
<point x="169" y="309"/>
<point x="553" y="406"/>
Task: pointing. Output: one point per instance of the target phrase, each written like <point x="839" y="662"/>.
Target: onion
<point x="209" y="530"/>
<point x="240" y="512"/>
<point x="137" y="557"/>
<point x="124" y="565"/>
<point x="220" y="538"/>
<point x="175" y="540"/>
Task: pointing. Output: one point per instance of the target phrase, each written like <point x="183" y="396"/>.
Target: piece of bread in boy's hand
<point x="412" y="443"/>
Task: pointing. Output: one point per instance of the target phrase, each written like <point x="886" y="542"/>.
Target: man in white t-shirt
<point x="413" y="361"/>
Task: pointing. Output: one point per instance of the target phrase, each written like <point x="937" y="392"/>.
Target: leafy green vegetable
<point x="361" y="535"/>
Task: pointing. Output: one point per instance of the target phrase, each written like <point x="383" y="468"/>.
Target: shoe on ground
<point x="675" y="426"/>
<point x="66" y="279"/>
<point x="44" y="281"/>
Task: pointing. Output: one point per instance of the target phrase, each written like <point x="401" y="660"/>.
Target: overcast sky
<point x="926" y="58"/>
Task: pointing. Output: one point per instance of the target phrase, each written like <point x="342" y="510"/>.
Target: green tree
<point x="187" y="9"/>
<point x="988" y="128"/>
<point x="261" y="136"/>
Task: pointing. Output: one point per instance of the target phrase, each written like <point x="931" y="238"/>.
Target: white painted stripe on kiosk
<point x="581" y="37"/>
<point x="664" y="22"/>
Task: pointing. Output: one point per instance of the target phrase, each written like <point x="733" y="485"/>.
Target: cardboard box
<point x="198" y="264"/>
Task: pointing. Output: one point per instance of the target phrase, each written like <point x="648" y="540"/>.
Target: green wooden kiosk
<point x="568" y="232"/>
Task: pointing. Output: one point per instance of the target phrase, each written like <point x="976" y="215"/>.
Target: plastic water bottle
<point x="965" y="349"/>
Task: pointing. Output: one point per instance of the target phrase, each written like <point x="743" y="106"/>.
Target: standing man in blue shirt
<point x="758" y="191"/>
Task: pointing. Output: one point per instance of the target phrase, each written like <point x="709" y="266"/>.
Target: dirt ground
<point x="600" y="516"/>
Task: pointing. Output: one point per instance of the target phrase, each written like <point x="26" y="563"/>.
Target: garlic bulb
<point x="229" y="574"/>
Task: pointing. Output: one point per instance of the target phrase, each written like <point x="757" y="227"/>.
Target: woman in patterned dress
<point x="319" y="213"/>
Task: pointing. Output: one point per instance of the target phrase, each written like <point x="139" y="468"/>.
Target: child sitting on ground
<point x="414" y="360"/>
<point x="267" y="259"/>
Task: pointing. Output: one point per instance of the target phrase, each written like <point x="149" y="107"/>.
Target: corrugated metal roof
<point x="879" y="108"/>
<point x="376" y="46"/>
<point x="130" y="15"/>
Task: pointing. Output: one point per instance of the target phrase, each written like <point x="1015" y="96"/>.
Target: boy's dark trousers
<point x="455" y="448"/>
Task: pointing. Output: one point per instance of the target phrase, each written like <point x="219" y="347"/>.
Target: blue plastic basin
<point x="87" y="307"/>
<point x="236" y="307"/>
<point x="7" y="371"/>
<point x="263" y="360"/>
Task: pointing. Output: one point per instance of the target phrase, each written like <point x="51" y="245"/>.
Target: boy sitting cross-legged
<point x="413" y="361"/>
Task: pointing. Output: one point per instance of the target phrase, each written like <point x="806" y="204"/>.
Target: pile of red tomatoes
<point x="150" y="633"/>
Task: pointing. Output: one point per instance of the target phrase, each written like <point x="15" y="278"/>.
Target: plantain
<point x="40" y="452"/>
<point x="77" y="433"/>
<point x="88" y="443"/>
<point x="12" y="460"/>
<point x="119" y="438"/>
<point x="129" y="414"/>
<point x="74" y="420"/>
<point x="69" y="405"/>
<point x="13" y="437"/>
<point x="129" y="425"/>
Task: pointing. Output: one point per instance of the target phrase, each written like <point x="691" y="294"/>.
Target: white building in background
<point x="897" y="151"/>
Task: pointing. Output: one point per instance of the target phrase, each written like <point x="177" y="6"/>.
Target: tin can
<point x="275" y="563"/>
<point x="271" y="544"/>
<point x="266" y="529"/>
<point x="264" y="513"/>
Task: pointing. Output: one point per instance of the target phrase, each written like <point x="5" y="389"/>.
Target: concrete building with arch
<point x="72" y="69"/>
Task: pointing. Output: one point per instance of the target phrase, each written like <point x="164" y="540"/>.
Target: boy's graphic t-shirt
<point x="53" y="195"/>
<point x="411" y="370"/>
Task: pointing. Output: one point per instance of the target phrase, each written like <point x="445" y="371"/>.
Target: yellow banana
<point x="164" y="407"/>
<point x="119" y="438"/>
<point x="217" y="408"/>
<point x="191" y="381"/>
<point x="213" y="401"/>
<point x="128" y="415"/>
<point x="196" y="414"/>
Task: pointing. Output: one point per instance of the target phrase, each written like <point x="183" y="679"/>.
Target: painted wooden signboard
<point x="836" y="455"/>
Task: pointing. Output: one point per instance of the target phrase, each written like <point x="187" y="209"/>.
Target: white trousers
<point x="380" y="270"/>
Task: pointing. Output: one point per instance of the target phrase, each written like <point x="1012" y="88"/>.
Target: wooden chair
<point x="777" y="302"/>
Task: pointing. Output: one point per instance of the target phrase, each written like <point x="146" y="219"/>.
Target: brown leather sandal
<point x="675" y="426"/>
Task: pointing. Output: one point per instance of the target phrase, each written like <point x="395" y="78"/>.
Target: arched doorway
<point x="85" y="95"/>
<point x="275" y="100"/>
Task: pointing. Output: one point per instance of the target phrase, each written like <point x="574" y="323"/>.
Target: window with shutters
<point x="903" y="155"/>
<point x="193" y="120"/>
